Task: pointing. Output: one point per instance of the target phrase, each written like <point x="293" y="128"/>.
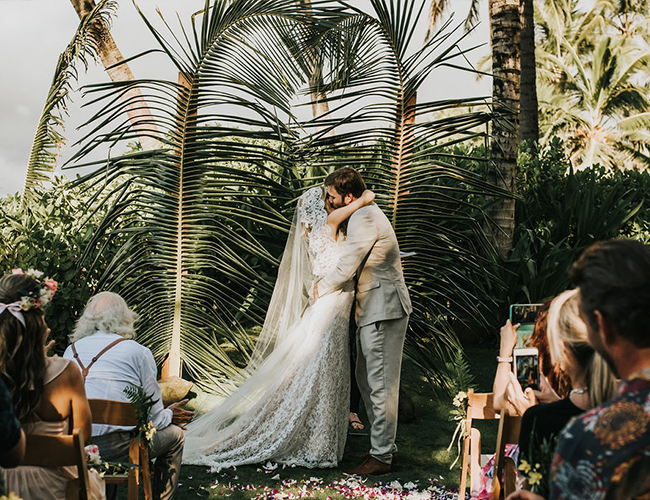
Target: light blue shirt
<point x="127" y="363"/>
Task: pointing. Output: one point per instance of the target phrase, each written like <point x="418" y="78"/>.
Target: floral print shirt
<point x="606" y="451"/>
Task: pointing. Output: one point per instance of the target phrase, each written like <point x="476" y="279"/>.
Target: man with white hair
<point x="110" y="360"/>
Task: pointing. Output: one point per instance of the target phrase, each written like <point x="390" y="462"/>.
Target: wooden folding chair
<point x="480" y="407"/>
<point x="44" y="450"/>
<point x="505" y="467"/>
<point x="122" y="413"/>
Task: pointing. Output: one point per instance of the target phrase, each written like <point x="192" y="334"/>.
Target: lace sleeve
<point x="311" y="209"/>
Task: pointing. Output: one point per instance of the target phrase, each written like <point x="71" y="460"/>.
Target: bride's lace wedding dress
<point x="293" y="407"/>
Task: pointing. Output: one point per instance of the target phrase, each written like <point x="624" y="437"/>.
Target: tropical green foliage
<point x="592" y="86"/>
<point x="50" y="235"/>
<point x="48" y="139"/>
<point x="204" y="218"/>
<point x="560" y="213"/>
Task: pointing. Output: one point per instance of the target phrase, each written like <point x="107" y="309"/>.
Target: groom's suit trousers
<point x="379" y="362"/>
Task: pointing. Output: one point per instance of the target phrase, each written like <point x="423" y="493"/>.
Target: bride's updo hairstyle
<point x="22" y="353"/>
<point x="346" y="181"/>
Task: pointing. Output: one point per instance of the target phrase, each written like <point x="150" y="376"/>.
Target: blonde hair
<point x="566" y="329"/>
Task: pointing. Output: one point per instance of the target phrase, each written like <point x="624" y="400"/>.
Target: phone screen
<point x="523" y="313"/>
<point x="527" y="369"/>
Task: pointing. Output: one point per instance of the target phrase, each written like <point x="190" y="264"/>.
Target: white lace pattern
<point x="294" y="408"/>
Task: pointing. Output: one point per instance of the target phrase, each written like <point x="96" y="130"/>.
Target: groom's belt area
<point x="369" y="285"/>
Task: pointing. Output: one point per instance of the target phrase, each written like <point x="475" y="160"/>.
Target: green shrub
<point x="51" y="236"/>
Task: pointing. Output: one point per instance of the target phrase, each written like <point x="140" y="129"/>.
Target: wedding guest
<point x="604" y="453"/>
<point x="110" y="359"/>
<point x="12" y="437"/>
<point x="45" y="391"/>
<point x="554" y="382"/>
<point x="592" y="381"/>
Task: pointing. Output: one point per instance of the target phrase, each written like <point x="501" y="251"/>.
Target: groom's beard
<point x="336" y="205"/>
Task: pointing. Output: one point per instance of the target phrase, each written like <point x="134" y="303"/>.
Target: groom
<point x="382" y="311"/>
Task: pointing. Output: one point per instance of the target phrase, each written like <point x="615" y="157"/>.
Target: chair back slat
<point x="481" y="405"/>
<point x="42" y="450"/>
<point x="108" y="412"/>
<point x="112" y="412"/>
<point x="509" y="427"/>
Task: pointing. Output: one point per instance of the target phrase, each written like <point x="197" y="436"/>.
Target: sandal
<point x="355" y="424"/>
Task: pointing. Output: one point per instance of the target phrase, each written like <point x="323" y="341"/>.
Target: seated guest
<point x="554" y="382"/>
<point x="605" y="452"/>
<point x="12" y="437"/>
<point x="111" y="360"/>
<point x="508" y="393"/>
<point x="46" y="392"/>
<point x="592" y="381"/>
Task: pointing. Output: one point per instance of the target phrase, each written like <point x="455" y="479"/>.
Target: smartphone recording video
<point x="526" y="367"/>
<point x="525" y="315"/>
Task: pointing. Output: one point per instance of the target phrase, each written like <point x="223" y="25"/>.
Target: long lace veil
<point x="281" y="336"/>
<point x="293" y="288"/>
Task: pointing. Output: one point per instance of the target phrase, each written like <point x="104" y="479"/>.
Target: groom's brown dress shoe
<point x="370" y="467"/>
<point x="366" y="454"/>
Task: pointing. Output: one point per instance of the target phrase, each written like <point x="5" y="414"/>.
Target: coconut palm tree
<point x="48" y="139"/>
<point x="600" y="109"/>
<point x="118" y="69"/>
<point x="508" y="62"/>
<point x="205" y="215"/>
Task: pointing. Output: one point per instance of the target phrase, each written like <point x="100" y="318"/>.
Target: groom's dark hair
<point x="346" y="181"/>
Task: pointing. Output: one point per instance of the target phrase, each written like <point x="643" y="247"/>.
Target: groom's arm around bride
<point x="371" y="253"/>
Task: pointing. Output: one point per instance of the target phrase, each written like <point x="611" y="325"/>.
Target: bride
<point x="291" y="402"/>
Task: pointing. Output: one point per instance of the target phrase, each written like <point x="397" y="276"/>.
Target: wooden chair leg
<point x="146" y="475"/>
<point x="134" y="457"/>
<point x="464" y="468"/>
<point x="72" y="490"/>
<point x="509" y="477"/>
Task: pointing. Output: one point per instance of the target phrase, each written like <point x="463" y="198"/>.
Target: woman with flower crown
<point x="46" y="391"/>
<point x="290" y="404"/>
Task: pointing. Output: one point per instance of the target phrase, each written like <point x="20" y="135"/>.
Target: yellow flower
<point x="12" y="496"/>
<point x="534" y="478"/>
<point x="524" y="467"/>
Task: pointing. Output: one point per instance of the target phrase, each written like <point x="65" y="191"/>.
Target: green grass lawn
<point x="423" y="457"/>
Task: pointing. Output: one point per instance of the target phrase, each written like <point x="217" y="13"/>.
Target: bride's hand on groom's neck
<point x="316" y="292"/>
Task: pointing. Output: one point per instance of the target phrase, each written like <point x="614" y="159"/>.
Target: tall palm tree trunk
<point x="529" y="123"/>
<point x="136" y="108"/>
<point x="319" y="106"/>
<point x="505" y="29"/>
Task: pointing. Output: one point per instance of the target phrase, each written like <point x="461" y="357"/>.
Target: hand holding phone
<point x="519" y="399"/>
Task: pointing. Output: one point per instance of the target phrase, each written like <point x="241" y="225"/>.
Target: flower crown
<point x="34" y="298"/>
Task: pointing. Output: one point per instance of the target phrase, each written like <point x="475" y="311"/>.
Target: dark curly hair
<point x="614" y="278"/>
<point x="22" y="355"/>
<point x="346" y="181"/>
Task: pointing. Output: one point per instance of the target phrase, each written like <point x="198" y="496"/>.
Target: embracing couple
<point x="290" y="404"/>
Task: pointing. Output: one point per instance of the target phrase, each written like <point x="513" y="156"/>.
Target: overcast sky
<point x="34" y="32"/>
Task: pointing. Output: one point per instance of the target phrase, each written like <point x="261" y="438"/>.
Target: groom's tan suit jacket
<point x="371" y="253"/>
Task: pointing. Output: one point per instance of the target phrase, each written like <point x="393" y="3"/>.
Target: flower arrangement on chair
<point x="462" y="381"/>
<point x="142" y="402"/>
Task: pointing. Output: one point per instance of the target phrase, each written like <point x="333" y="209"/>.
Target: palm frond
<point x="48" y="138"/>
<point x="204" y="217"/>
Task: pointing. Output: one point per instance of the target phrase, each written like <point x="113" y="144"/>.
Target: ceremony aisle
<point x="422" y="473"/>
